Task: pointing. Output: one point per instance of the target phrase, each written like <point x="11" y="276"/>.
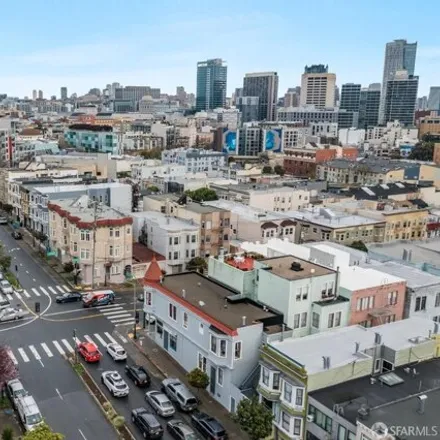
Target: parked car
<point x="179" y="394"/>
<point x="15" y="390"/>
<point x="98" y="298"/>
<point x="208" y="426"/>
<point x="138" y="375"/>
<point x="3" y="221"/>
<point x="160" y="403"/>
<point x="115" y="384"/>
<point x="17" y="235"/>
<point x="181" y="430"/>
<point x="5" y="287"/>
<point x="116" y="352"/>
<point x="11" y="314"/>
<point x="4" y="302"/>
<point x="69" y="297"/>
<point x="89" y="351"/>
<point x="1" y="276"/>
<point x="29" y="412"/>
<point x="147" y="423"/>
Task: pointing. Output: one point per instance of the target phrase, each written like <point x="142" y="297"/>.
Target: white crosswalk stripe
<point x="66" y="288"/>
<point x="46" y="349"/>
<point x="34" y="352"/>
<point x="26" y="294"/>
<point x="23" y="355"/>
<point x="67" y="345"/>
<point x="120" y="315"/>
<point x="114" y="311"/>
<point x="13" y="358"/>
<point x="10" y="297"/>
<point x="125" y="323"/>
<point x="60" y="289"/>
<point x="89" y="339"/>
<point x="35" y="291"/>
<point x="44" y="290"/>
<point x="126" y="320"/>
<point x="110" y="306"/>
<point x="100" y="339"/>
<point x="110" y="337"/>
<point x="52" y="290"/>
<point x="58" y="347"/>
<point x="17" y="295"/>
<point x="77" y="340"/>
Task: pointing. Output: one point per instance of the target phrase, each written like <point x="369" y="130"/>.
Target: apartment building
<point x="429" y="125"/>
<point x="94" y="138"/>
<point x="200" y="324"/>
<point x="150" y="169"/>
<point x="96" y="237"/>
<point x="307" y="115"/>
<point x="214" y="223"/>
<point x="177" y="240"/>
<point x="194" y="160"/>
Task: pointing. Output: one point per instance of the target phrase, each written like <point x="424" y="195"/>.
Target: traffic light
<point x="137" y="317"/>
<point x="37" y="307"/>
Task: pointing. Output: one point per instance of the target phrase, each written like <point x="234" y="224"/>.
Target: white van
<point x="29" y="412"/>
<point x="4" y="302"/>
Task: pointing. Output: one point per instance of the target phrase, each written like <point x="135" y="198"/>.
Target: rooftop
<point x="210" y="298"/>
<point x="170" y="224"/>
<point x="192" y="206"/>
<point x="69" y="188"/>
<point x="142" y="254"/>
<point x="243" y="263"/>
<point x="359" y="278"/>
<point x="383" y="191"/>
<point x="281" y="266"/>
<point x="372" y="165"/>
<point x="395" y="405"/>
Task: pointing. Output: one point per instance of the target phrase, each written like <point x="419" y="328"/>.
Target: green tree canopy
<point x="267" y="170"/>
<point x="202" y="195"/>
<point x="254" y="418"/>
<point x="5" y="259"/>
<point x="42" y="432"/>
<point x="359" y="245"/>
<point x="279" y="170"/>
<point x="154" y="153"/>
<point x="198" y="379"/>
<point x="197" y="263"/>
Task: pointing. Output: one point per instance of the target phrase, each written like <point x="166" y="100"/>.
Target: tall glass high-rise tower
<point x="211" y="84"/>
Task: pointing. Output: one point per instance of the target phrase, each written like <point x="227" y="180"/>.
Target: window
<point x="321" y="419"/>
<point x="111" y="232"/>
<point x="84" y="254"/>
<point x="85" y="235"/>
<point x="285" y="421"/>
<point x="173" y="342"/>
<point x="201" y="362"/>
<point x="331" y="320"/>
<point x="148" y="295"/>
<point x="213" y="347"/>
<point x="420" y="303"/>
<point x="223" y="345"/>
<point x="64" y="223"/>
<point x="297" y="425"/>
<point x="176" y="240"/>
<point x="170" y="241"/>
<point x="315" y="320"/>
<point x="303" y="319"/>
<point x="185" y="320"/>
<point x="276" y="381"/>
<point x="172" y="312"/>
<point x="237" y="350"/>
<point x="201" y="330"/>
<point x="296" y="320"/>
<point x="159" y="328"/>
<point x="117" y="232"/>
<point x="115" y="269"/>
<point x="392" y="298"/>
<point x="220" y="376"/>
<point x="65" y="240"/>
<point x="193" y="253"/>
<point x="193" y="238"/>
<point x="342" y="432"/>
<point x="437" y="300"/>
<point x="75" y="246"/>
<point x="265" y="375"/>
<point x="299" y="398"/>
<point x="338" y="319"/>
<point x="287" y="392"/>
<point x="128" y="230"/>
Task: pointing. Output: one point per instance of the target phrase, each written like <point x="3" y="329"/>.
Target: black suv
<point x="138" y="375"/>
<point x="208" y="426"/>
<point x="147" y="423"/>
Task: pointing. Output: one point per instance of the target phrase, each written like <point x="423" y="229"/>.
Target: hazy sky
<point x="84" y="44"/>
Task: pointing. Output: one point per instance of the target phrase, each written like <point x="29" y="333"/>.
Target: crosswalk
<point x="52" y="349"/>
<point x="117" y="314"/>
<point x="38" y="292"/>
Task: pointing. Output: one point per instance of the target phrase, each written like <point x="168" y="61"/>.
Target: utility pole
<point x="134" y="308"/>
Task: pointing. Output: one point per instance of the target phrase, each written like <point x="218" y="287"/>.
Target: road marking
<point x="125" y="323"/>
<point x="60" y="289"/>
<point x="10" y="297"/>
<point x="27" y="271"/>
<point x="126" y="320"/>
<point x="59" y="394"/>
<point x="89" y="339"/>
<point x="35" y="291"/>
<point x="18" y="295"/>
<point x="23" y="354"/>
<point x="44" y="290"/>
<point x="100" y="339"/>
<point x="113" y="311"/>
<point x="52" y="290"/>
<point x="34" y="280"/>
<point x="110" y="337"/>
<point x="13" y="358"/>
<point x="122" y="338"/>
<point x="26" y="294"/>
<point x="120" y="315"/>
<point x="67" y="288"/>
<point x="68" y="346"/>
<point x="41" y="362"/>
<point x="77" y="341"/>
<point x="58" y="347"/>
<point x="109" y="306"/>
<point x="46" y="349"/>
<point x="34" y="352"/>
<point x="82" y="435"/>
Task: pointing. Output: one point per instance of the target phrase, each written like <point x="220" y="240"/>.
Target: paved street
<point x="39" y="342"/>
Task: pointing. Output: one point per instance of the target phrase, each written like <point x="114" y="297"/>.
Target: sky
<point x="85" y="44"/>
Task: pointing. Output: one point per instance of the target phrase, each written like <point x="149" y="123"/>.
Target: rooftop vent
<point x="363" y="412"/>
<point x="183" y="293"/>
<point x="201" y="303"/>
<point x="296" y="266"/>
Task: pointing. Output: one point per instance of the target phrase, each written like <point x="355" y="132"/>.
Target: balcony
<point x="268" y="393"/>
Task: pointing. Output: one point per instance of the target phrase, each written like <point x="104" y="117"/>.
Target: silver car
<point x="5" y="287"/>
<point x="116" y="352"/>
<point x="11" y="314"/>
<point x="15" y="390"/>
<point x="160" y="403"/>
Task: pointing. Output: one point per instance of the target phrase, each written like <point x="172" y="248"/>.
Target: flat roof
<point x="358" y="278"/>
<point x="68" y="188"/>
<point x="281" y="266"/>
<point x="192" y="206"/>
<point x="210" y="298"/>
<point x="171" y="224"/>
<point x="395" y="405"/>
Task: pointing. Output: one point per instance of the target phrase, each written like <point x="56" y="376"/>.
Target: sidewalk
<point x="167" y="367"/>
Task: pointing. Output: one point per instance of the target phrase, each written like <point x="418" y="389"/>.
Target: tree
<point x="198" y="379"/>
<point x="279" y="170"/>
<point x="8" y="208"/>
<point x="42" y="432"/>
<point x="359" y="245"/>
<point x="267" y="170"/>
<point x="255" y="418"/>
<point x="154" y="153"/>
<point x="197" y="263"/>
<point x="8" y="371"/>
<point x="68" y="267"/>
<point x="8" y="433"/>
<point x="5" y="260"/>
<point x="153" y="188"/>
<point x="202" y="195"/>
<point x="423" y="151"/>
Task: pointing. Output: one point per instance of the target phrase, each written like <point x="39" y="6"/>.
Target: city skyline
<point x="163" y="44"/>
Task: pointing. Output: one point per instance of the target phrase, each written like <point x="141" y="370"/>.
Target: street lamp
<point x="76" y="348"/>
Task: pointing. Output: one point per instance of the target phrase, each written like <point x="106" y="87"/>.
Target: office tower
<point x="263" y="85"/>
<point x="401" y="98"/>
<point x="291" y="97"/>
<point x="249" y="108"/>
<point x="181" y="95"/>
<point x="434" y="98"/>
<point x="40" y="94"/>
<point x="399" y="55"/>
<point x="350" y="99"/>
<point x="422" y="103"/>
<point x="63" y="93"/>
<point x="237" y="94"/>
<point x="337" y="96"/>
<point x="211" y="84"/>
<point x="34" y="95"/>
<point x="369" y="104"/>
<point x="318" y="86"/>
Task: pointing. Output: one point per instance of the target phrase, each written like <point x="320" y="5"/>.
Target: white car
<point x="11" y="314"/>
<point x="116" y="352"/>
<point x="15" y="390"/>
<point x="115" y="384"/>
<point x="5" y="287"/>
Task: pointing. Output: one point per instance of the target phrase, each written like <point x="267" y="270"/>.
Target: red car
<point x="89" y="352"/>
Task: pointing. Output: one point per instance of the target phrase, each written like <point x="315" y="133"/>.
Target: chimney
<point x="405" y="255"/>
<point x="356" y="348"/>
<point x="409" y="255"/>
<point x="422" y="403"/>
<point x="243" y="321"/>
<point x="221" y="255"/>
<point x="183" y="293"/>
<point x="328" y="362"/>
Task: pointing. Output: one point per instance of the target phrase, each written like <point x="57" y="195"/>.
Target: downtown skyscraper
<point x="211" y="84"/>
